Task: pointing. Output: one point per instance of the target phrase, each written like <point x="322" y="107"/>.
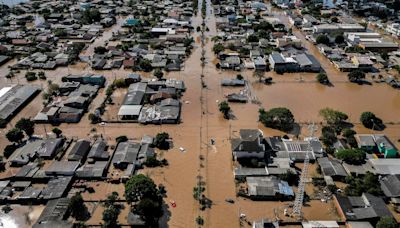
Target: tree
<point x="322" y="39"/>
<point x="217" y="48"/>
<point x="120" y="83"/>
<point x="386" y="221"/>
<point x="100" y="50"/>
<point x="121" y="138"/>
<point x="94" y="118"/>
<point x="158" y="74"/>
<point x="224" y="109"/>
<point x="57" y="131"/>
<point x="334" y="20"/>
<point x="333" y="117"/>
<point x="322" y="78"/>
<point x="290" y="177"/>
<point x="277" y="118"/>
<point x="30" y="76"/>
<point x="150" y="210"/>
<point x="339" y="39"/>
<point x="161" y="141"/>
<point x="252" y="38"/>
<point x="356" y="76"/>
<point x="349" y="136"/>
<point x="60" y="32"/>
<point x="139" y="187"/>
<point x="77" y="207"/>
<point x="42" y="75"/>
<point x="239" y="77"/>
<point x="351" y="156"/>
<point x="328" y="137"/>
<point x="110" y="200"/>
<point x="110" y="216"/>
<point x="369" y="183"/>
<point x="145" y="65"/>
<point x="369" y="120"/>
<point x="15" y="135"/>
<point x="9" y="149"/>
<point x="26" y="125"/>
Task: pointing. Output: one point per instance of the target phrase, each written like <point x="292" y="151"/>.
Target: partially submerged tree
<point x="369" y="120"/>
<point x="277" y="118"/>
<point x="161" y="141"/>
<point x="144" y="194"/>
<point x="224" y="108"/>
<point x="322" y="78"/>
<point x="356" y="76"/>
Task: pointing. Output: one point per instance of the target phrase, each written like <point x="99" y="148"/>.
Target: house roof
<point x="268" y="186"/>
<point x="130" y="110"/>
<point x="79" y="151"/>
<point x="364" y="207"/>
<point x="390" y="185"/>
<point x="331" y="167"/>
<point x="98" y="150"/>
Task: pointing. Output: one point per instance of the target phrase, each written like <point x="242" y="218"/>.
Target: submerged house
<point x="249" y="145"/>
<point x="268" y="188"/>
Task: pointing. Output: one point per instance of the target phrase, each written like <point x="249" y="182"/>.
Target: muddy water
<point x="202" y="121"/>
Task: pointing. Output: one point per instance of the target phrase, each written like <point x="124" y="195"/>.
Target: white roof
<point x="4" y="90"/>
<point x="130" y="110"/>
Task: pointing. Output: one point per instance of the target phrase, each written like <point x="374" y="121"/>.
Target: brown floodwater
<point x="201" y="121"/>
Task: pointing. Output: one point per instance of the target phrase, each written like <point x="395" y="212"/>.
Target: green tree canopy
<point x="322" y="78"/>
<point x="77" y="207"/>
<point x="15" y="135"/>
<point x="352" y="156"/>
<point x="369" y="183"/>
<point x="161" y="141"/>
<point x="332" y="116"/>
<point x="277" y="118"/>
<point x="26" y="125"/>
<point x="224" y="108"/>
<point x="322" y="39"/>
<point x="386" y="221"/>
<point x="356" y="76"/>
<point x="369" y="120"/>
<point x="217" y="48"/>
<point x="139" y="187"/>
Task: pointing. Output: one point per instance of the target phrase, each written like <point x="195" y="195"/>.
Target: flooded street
<point x="202" y="121"/>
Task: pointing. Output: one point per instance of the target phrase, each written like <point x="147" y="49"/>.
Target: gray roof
<point x="331" y="167"/>
<point x="30" y="193"/>
<point x="15" y="98"/>
<point x="364" y="207"/>
<point x="94" y="170"/>
<point x="387" y="166"/>
<point x="49" y="147"/>
<point x="62" y="168"/>
<point x="390" y="185"/>
<point x="277" y="58"/>
<point x="79" y="151"/>
<point x="365" y="140"/>
<point x="250" y="140"/>
<point x="268" y="186"/>
<point x="55" y="210"/>
<point x="56" y="188"/>
<point x="98" y="150"/>
<point x="126" y="152"/>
